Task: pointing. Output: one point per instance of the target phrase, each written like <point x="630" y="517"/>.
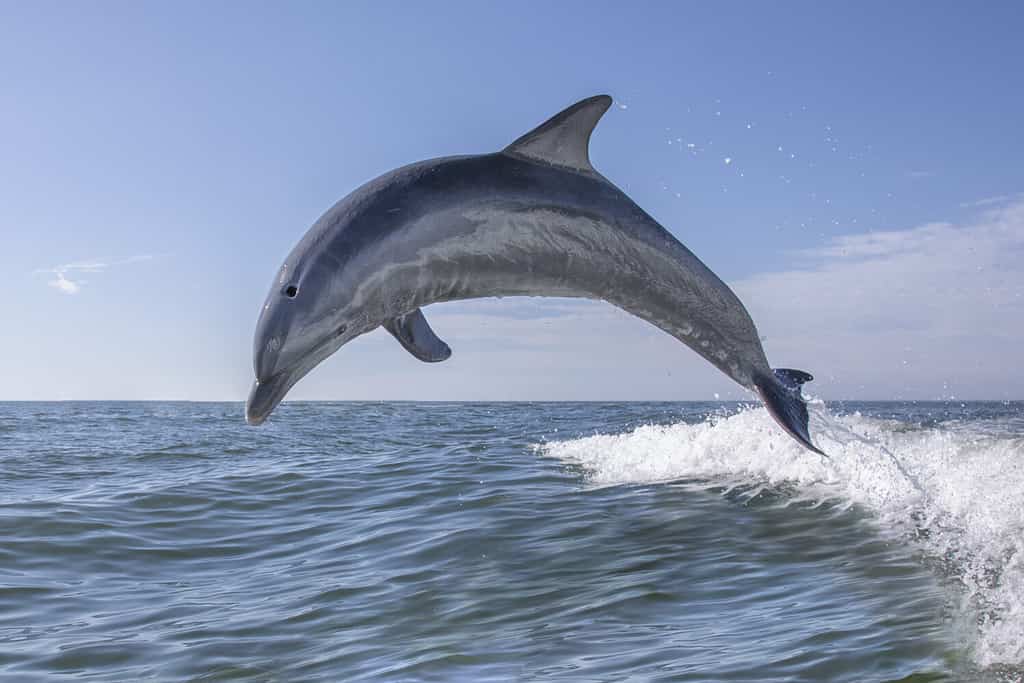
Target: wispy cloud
<point x="935" y="311"/>
<point x="65" y="285"/>
<point x="67" y="277"/>
<point x="991" y="201"/>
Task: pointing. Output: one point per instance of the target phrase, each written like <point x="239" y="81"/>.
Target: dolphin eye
<point x="290" y="291"/>
<point x="341" y="330"/>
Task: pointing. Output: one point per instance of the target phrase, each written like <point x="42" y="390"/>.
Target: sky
<point x="853" y="171"/>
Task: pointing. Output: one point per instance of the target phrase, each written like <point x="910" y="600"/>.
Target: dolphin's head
<point x="303" y="321"/>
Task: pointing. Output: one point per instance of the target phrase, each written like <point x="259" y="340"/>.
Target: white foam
<point x="956" y="489"/>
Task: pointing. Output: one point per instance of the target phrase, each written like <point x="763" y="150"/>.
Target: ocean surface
<point x="511" y="541"/>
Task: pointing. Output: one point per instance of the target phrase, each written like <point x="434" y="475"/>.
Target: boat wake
<point x="954" y="489"/>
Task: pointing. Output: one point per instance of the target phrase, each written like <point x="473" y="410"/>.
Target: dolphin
<point x="535" y="219"/>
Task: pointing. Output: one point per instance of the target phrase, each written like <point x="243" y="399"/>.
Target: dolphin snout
<point x="264" y="397"/>
<point x="255" y="412"/>
<point x="254" y="420"/>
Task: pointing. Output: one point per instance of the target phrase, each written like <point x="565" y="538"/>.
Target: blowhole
<point x="341" y="330"/>
<point x="290" y="291"/>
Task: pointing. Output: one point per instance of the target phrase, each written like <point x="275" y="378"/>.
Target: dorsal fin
<point x="564" y="139"/>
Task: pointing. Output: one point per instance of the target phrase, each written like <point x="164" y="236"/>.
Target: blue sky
<point x="854" y="171"/>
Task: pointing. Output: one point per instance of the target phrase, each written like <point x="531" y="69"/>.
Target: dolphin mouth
<point x="267" y="393"/>
<point x="265" y="396"/>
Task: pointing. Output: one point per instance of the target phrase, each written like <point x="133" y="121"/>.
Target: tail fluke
<point x="781" y="395"/>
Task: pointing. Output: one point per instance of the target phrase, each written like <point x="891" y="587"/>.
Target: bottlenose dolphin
<point x="534" y="219"/>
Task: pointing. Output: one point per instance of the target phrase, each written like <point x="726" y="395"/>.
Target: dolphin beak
<point x="265" y="396"/>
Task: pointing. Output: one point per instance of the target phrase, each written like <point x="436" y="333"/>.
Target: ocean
<point x="395" y="541"/>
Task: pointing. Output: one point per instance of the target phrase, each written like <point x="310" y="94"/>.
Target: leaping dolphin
<point x="534" y="219"/>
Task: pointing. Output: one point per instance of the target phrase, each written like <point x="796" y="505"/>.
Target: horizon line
<point x="509" y="400"/>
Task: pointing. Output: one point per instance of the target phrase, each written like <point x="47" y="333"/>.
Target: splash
<point x="956" y="490"/>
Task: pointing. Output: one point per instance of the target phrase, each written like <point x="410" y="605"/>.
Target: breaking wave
<point x="954" y="489"/>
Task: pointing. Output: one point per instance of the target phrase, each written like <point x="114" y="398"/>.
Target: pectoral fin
<point x="412" y="331"/>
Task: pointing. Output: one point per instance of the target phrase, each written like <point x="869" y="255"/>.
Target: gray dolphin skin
<point x="534" y="219"/>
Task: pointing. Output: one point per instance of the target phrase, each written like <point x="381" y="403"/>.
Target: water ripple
<point x="405" y="541"/>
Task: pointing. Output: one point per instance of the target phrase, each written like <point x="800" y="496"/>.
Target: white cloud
<point x="67" y="280"/>
<point x="62" y="284"/>
<point x="936" y="311"/>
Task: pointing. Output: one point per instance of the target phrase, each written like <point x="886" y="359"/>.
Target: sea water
<point x="511" y="541"/>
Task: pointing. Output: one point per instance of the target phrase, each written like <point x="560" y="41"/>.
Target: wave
<point x="956" y="490"/>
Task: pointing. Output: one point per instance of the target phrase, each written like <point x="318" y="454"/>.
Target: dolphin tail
<point x="781" y="395"/>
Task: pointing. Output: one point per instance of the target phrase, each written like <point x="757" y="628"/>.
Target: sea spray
<point x="955" y="489"/>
